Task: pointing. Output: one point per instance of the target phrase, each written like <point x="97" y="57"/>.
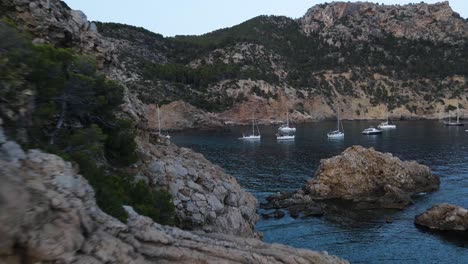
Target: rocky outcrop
<point x="366" y="175"/>
<point x="180" y="115"/>
<point x="343" y="21"/>
<point x="444" y="217"/>
<point x="206" y="198"/>
<point x="52" y="21"/>
<point x="365" y="178"/>
<point x="48" y="215"/>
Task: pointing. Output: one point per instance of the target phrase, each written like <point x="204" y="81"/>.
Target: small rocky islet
<point x="362" y="177"/>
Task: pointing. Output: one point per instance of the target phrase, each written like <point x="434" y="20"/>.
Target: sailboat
<point x="337" y="133"/>
<point x="253" y="136"/>
<point x="450" y="123"/>
<point x="286" y="128"/>
<point x="386" y="125"/>
<point x="285" y="136"/>
<point x="159" y="126"/>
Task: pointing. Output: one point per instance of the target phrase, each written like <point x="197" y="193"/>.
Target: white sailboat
<point x="457" y="123"/>
<point x="337" y="133"/>
<point x="371" y="131"/>
<point x="159" y="126"/>
<point x="280" y="136"/>
<point x="253" y="136"/>
<point x="285" y="128"/>
<point x="387" y="125"/>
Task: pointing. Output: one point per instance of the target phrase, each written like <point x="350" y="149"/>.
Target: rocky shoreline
<point x="48" y="214"/>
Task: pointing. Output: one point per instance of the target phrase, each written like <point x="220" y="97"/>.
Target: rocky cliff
<point x="53" y="22"/>
<point x="48" y="215"/>
<point x="345" y="21"/>
<point x="205" y="197"/>
<point x="360" y="59"/>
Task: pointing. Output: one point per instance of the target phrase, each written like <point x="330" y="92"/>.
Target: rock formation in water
<point x="48" y="215"/>
<point x="364" y="177"/>
<point x="444" y="217"/>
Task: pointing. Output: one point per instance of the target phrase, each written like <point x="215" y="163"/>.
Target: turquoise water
<point x="267" y="166"/>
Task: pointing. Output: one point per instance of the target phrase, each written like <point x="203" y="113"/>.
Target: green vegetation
<point x="305" y="58"/>
<point x="54" y="100"/>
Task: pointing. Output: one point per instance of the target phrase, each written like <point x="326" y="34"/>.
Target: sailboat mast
<point x="287" y="118"/>
<point x="458" y="119"/>
<point x="159" y="121"/>
<point x="337" y="121"/>
<point x="253" y="124"/>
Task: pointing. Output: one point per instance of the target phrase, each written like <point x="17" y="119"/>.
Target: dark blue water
<point x="269" y="166"/>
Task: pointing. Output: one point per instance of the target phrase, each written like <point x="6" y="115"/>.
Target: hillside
<point x="360" y="57"/>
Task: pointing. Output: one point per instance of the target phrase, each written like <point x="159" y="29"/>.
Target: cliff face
<point x="52" y="21"/>
<point x="363" y="21"/>
<point x="48" y="214"/>
<point x="361" y="59"/>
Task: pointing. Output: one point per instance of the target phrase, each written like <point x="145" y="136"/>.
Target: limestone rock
<point x="205" y="196"/>
<point x="361" y="177"/>
<point x="48" y="214"/>
<point x="359" y="21"/>
<point x="444" y="217"/>
<point x="52" y="21"/>
<point x="360" y="174"/>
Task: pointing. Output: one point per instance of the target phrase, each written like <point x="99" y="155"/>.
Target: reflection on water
<point x="267" y="166"/>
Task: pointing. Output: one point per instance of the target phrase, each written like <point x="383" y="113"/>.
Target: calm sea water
<point x="268" y="166"/>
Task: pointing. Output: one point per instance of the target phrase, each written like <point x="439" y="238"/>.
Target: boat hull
<point x="335" y="135"/>
<point x="372" y="133"/>
<point x="454" y="124"/>
<point x="387" y="127"/>
<point x="250" y="138"/>
<point x="285" y="137"/>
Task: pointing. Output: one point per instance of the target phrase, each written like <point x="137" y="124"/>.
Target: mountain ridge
<point x="274" y="64"/>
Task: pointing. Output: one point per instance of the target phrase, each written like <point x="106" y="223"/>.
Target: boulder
<point x="366" y="175"/>
<point x="363" y="179"/>
<point x="444" y="217"/>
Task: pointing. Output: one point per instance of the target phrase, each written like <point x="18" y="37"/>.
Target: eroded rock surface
<point x="365" y="177"/>
<point x="52" y="21"/>
<point x="48" y="215"/>
<point x="206" y="198"/>
<point x="445" y="217"/>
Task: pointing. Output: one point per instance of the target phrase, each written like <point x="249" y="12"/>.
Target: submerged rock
<point x="445" y="217"/>
<point x="48" y="214"/>
<point x="366" y="178"/>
